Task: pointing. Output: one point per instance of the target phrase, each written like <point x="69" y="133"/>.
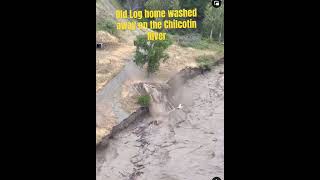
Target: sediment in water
<point x="169" y="88"/>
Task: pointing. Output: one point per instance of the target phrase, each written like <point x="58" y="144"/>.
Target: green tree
<point x="150" y="52"/>
<point x="132" y="4"/>
<point x="199" y="4"/>
<point x="213" y="23"/>
<point x="162" y="4"/>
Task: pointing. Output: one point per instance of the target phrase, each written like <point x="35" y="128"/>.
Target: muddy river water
<point x="186" y="144"/>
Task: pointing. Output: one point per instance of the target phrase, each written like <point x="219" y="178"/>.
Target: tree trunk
<point x="220" y="32"/>
<point x="130" y="5"/>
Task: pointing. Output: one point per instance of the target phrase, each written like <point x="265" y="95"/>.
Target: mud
<point x="133" y="118"/>
<point x="186" y="143"/>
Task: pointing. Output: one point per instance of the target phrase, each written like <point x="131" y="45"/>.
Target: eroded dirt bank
<point x="185" y="144"/>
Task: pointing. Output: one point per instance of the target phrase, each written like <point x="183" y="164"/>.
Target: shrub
<point x="107" y="25"/>
<point x="196" y="41"/>
<point x="144" y="100"/>
<point x="205" y="62"/>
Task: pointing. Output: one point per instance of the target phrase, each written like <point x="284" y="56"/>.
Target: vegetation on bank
<point x="206" y="62"/>
<point x="108" y="25"/>
<point x="144" y="100"/>
<point x="197" y="41"/>
<point x="210" y="20"/>
<point x="150" y="53"/>
<point x="209" y="35"/>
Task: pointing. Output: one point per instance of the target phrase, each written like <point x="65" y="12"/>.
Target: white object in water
<point x="180" y="106"/>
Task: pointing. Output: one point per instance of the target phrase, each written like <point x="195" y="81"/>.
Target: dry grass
<point x="180" y="57"/>
<point x="105" y="120"/>
<point x="129" y="97"/>
<point x="112" y="59"/>
<point x="100" y="133"/>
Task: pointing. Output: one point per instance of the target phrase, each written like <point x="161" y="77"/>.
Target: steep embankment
<point x="186" y="144"/>
<point x="118" y="51"/>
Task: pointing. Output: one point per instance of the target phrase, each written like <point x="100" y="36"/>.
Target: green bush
<point x="144" y="100"/>
<point x="205" y="62"/>
<point x="200" y="44"/>
<point x="197" y="41"/>
<point x="107" y="25"/>
<point x="150" y="52"/>
<point x="193" y="40"/>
